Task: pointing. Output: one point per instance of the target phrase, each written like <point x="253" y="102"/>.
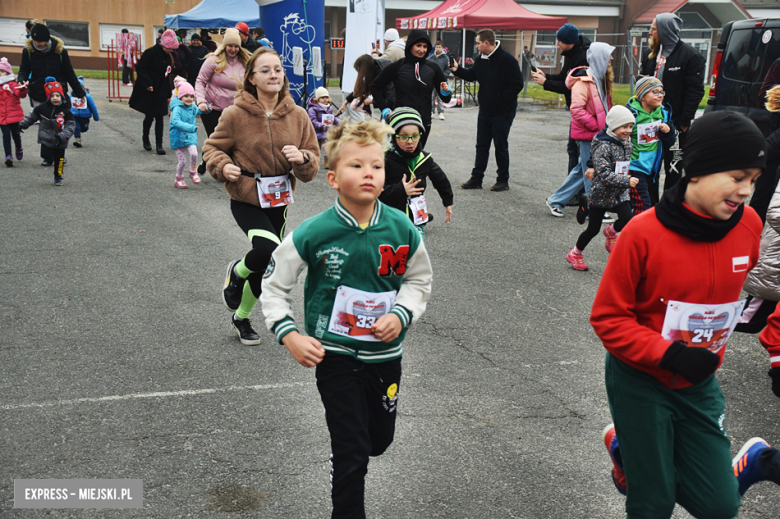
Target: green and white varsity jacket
<point x="344" y="262"/>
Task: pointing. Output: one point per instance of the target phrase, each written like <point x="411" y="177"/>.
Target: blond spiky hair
<point x="363" y="133"/>
<point x="773" y="99"/>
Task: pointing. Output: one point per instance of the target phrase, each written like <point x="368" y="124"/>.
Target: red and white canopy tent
<point x="500" y="15"/>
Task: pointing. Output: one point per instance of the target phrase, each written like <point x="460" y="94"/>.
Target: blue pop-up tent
<point x="215" y="14"/>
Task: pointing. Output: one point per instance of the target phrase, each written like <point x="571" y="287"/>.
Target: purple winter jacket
<point x="315" y="114"/>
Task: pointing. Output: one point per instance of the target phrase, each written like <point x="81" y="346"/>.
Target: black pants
<point x="360" y="407"/>
<point x="127" y="73"/>
<point x="640" y="194"/>
<point x="759" y="318"/>
<point x="58" y="159"/>
<point x="265" y="229"/>
<point x="210" y="121"/>
<point x="596" y="216"/>
<point x="9" y="131"/>
<point x="493" y="128"/>
<point x="426" y="133"/>
<point x="158" y="127"/>
<point x="574" y="154"/>
<point x="671" y="177"/>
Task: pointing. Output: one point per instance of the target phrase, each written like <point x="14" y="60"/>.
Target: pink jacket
<point x="218" y="90"/>
<point x="10" y="105"/>
<point x="587" y="111"/>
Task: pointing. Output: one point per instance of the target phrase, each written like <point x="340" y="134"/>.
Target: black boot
<point x="160" y="150"/>
<point x="147" y="144"/>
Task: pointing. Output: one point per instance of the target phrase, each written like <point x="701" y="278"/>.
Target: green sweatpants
<point x="673" y="445"/>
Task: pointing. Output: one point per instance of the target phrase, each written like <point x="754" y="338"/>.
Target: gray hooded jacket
<point x="598" y="63"/>
<point x="669" y="27"/>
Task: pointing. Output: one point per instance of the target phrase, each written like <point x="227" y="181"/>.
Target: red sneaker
<point x="576" y="261"/>
<point x="611" y="443"/>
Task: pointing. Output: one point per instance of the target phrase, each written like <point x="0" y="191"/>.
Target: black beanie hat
<point x="723" y="141"/>
<point x="195" y="37"/>
<point x="40" y="33"/>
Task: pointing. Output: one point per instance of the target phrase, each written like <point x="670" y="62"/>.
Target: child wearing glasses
<point x="407" y="167"/>
<point x="653" y="133"/>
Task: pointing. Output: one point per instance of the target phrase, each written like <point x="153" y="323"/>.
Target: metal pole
<point x="463" y="64"/>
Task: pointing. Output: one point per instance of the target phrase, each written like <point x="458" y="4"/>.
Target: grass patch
<point x="86" y="74"/>
<point x="620" y="94"/>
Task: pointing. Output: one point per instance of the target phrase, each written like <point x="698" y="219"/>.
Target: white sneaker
<point x="441" y="116"/>
<point x="608" y="218"/>
<point x="554" y="210"/>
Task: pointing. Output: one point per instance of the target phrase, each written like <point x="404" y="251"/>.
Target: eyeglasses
<point x="658" y="93"/>
<point x="407" y="138"/>
<point x="267" y="70"/>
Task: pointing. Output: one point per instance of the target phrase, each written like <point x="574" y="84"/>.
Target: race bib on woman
<point x="274" y="191"/>
<point x="355" y="312"/>
<point x="702" y="326"/>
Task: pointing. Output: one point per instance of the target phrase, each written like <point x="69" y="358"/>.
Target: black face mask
<point x="675" y="216"/>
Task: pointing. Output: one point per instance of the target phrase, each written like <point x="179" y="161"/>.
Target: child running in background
<point x="610" y="182"/>
<point x="321" y="115"/>
<point x="184" y="130"/>
<point x="82" y="112"/>
<point x="652" y="134"/>
<point x="11" y="111"/>
<point x="56" y="125"/>
<point x="406" y="168"/>
<point x="678" y="262"/>
<point x="368" y="279"/>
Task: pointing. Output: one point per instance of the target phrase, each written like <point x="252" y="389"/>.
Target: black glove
<point x="775" y="374"/>
<point x="58" y="139"/>
<point x="695" y="364"/>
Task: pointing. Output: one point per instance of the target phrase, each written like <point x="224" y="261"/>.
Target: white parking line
<point x="160" y="394"/>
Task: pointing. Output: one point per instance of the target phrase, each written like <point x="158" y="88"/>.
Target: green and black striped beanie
<point x="403" y="116"/>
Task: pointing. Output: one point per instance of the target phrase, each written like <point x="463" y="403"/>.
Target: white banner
<point x="365" y="25"/>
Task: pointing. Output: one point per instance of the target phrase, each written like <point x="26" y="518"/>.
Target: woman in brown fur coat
<point x="262" y="144"/>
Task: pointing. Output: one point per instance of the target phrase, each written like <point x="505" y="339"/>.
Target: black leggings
<point x="265" y="229"/>
<point x="10" y="130"/>
<point x="210" y="121"/>
<point x="596" y="216"/>
<point x="158" y="127"/>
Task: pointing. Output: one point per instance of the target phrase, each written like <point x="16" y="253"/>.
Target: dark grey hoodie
<point x="668" y="26"/>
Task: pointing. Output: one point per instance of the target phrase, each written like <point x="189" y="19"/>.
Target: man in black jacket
<point x="574" y="49"/>
<point x="45" y="55"/>
<point x="681" y="69"/>
<point x="197" y="55"/>
<point x="415" y="78"/>
<point x="500" y="81"/>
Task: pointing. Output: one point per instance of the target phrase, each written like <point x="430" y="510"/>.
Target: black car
<point x="746" y="50"/>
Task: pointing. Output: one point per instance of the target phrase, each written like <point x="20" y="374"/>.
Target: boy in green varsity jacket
<point x="368" y="279"/>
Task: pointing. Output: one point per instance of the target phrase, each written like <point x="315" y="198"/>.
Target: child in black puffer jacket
<point x="57" y="125"/>
<point x="608" y="170"/>
<point x="407" y="167"/>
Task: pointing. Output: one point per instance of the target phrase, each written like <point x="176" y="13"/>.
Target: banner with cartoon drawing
<point x="293" y="23"/>
<point x="704" y="326"/>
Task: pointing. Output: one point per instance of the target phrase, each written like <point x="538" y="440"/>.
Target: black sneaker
<point x="245" y="332"/>
<point x="582" y="211"/>
<point x="146" y="143"/>
<point x="472" y="183"/>
<point x="47" y="163"/>
<point x="201" y="168"/>
<point x="501" y="185"/>
<point x="160" y="150"/>
<point x="77" y="142"/>
<point x="58" y="181"/>
<point x="233" y="289"/>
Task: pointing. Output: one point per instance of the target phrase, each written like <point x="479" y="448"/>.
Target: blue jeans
<point x="493" y="128"/>
<point x="82" y="125"/>
<point x="575" y="181"/>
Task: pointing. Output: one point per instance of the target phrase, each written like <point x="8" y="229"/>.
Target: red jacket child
<point x="10" y="105"/>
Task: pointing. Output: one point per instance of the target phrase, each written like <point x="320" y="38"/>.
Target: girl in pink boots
<point x="184" y="130"/>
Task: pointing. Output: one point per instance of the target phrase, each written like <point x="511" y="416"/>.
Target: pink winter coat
<point x="587" y="111"/>
<point x="10" y="105"/>
<point x="218" y="90"/>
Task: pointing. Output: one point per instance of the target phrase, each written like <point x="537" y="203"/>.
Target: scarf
<point x="410" y="157"/>
<point x="6" y="79"/>
<point x="675" y="216"/>
<point x="624" y="142"/>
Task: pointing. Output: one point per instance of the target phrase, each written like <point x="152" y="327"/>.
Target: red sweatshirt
<point x="652" y="265"/>
<point x="770" y="337"/>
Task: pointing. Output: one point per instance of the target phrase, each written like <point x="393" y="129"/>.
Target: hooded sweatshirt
<point x="598" y="63"/>
<point x="219" y="88"/>
<point x="668" y="26"/>
<point x="414" y="79"/>
<point x="646" y="156"/>
<point x="86" y="109"/>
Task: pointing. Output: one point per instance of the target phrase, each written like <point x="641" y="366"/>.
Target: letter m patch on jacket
<point x="392" y="261"/>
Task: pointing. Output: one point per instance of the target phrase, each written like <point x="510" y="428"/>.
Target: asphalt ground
<point x="117" y="360"/>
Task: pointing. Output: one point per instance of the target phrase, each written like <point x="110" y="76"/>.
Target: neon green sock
<point x="248" y="301"/>
<point x="241" y="269"/>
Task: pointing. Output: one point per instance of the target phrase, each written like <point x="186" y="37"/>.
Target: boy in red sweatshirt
<point x="667" y="303"/>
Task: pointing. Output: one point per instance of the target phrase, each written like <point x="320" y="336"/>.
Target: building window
<point x="13" y="32"/>
<point x="109" y="31"/>
<point x="75" y="35"/>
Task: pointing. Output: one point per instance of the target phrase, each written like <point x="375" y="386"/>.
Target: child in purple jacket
<point x="321" y="115"/>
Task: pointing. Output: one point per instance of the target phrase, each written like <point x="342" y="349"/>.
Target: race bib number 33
<point x="355" y="312"/>
<point x="704" y="326"/>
